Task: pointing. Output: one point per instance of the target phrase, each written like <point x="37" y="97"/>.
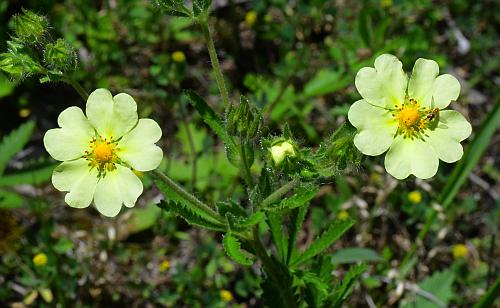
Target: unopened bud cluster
<point x="30" y="41"/>
<point x="244" y="121"/>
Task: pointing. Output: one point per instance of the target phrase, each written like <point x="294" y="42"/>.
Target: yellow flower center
<point x="409" y="115"/>
<point x="103" y="153"/>
<point x="413" y="119"/>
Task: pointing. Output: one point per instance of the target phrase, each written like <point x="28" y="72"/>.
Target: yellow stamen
<point x="409" y="115"/>
<point x="103" y="152"/>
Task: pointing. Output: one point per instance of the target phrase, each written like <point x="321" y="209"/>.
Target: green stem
<point x="279" y="193"/>
<point x="78" y="87"/>
<point x="246" y="168"/>
<point x="215" y="64"/>
<point x="273" y="271"/>
<point x="192" y="199"/>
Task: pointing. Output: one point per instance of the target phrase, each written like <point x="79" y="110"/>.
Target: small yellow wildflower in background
<point x="24" y="112"/>
<point x="415" y="197"/>
<point x="460" y="251"/>
<point x="40" y="259"/>
<point x="251" y="18"/>
<point x="226" y="295"/>
<point x="164" y="266"/>
<point x="386" y="3"/>
<point x="343" y="215"/>
<point x="178" y="56"/>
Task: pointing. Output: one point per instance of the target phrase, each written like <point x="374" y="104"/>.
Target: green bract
<point x="406" y="117"/>
<point x="100" y="151"/>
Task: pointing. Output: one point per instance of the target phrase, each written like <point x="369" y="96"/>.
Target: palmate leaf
<point x="189" y="215"/>
<point x="323" y="242"/>
<point x="232" y="246"/>
<point x="14" y="142"/>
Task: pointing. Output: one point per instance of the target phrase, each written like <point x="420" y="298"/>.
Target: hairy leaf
<point x="343" y="290"/>
<point x="297" y="218"/>
<point x="303" y="194"/>
<point x="190" y="216"/>
<point x="232" y="246"/>
<point x="324" y="241"/>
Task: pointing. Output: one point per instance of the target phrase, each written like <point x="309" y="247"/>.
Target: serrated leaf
<point x="14" y="142"/>
<point x="193" y="214"/>
<point x="296" y="220"/>
<point x="324" y="241"/>
<point x="354" y="254"/>
<point x="275" y="222"/>
<point x="242" y="223"/>
<point x="190" y="216"/>
<point x="232" y="246"/>
<point x="303" y="194"/>
<point x="343" y="290"/>
<point x="213" y="120"/>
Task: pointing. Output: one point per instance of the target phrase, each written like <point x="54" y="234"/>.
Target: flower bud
<point x="30" y="27"/>
<point x="18" y="64"/>
<point x="60" y="56"/>
<point x="281" y="151"/>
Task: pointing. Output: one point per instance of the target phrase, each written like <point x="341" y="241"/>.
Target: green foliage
<point x="17" y="63"/>
<point x="195" y="218"/>
<point x="173" y="7"/>
<point x="326" y="81"/>
<point x="344" y="289"/>
<point x="29" y="27"/>
<point x="232" y="246"/>
<point x="354" y="254"/>
<point x="60" y="56"/>
<point x="303" y="194"/>
<point x="323" y="242"/>
<point x="439" y="285"/>
<point x="14" y="142"/>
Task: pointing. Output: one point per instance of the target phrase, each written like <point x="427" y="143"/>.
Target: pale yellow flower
<point x="100" y="151"/>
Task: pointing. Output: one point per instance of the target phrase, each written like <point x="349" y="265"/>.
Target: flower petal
<point x="446" y="89"/>
<point x="76" y="177"/>
<point x="111" y="116"/>
<point x="445" y="139"/>
<point x="118" y="187"/>
<point x="421" y="85"/>
<point x="72" y="139"/>
<point x="137" y="148"/>
<point x="376" y="127"/>
<point x="384" y="85"/>
<point x="411" y="156"/>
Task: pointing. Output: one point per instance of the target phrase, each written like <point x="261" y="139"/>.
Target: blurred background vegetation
<point x="297" y="61"/>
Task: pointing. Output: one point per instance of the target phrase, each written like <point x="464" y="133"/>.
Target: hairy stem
<point x="272" y="270"/>
<point x="78" y="87"/>
<point x="215" y="64"/>
<point x="191" y="198"/>
<point x="279" y="193"/>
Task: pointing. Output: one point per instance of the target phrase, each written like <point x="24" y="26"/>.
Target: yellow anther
<point x="103" y="153"/>
<point x="409" y="116"/>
